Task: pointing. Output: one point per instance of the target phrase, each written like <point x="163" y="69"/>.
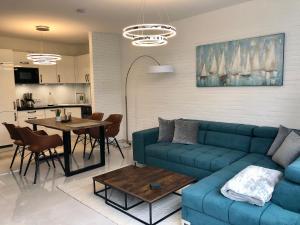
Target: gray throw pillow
<point x="166" y="130"/>
<point x="283" y="132"/>
<point x="186" y="132"/>
<point x="288" y="151"/>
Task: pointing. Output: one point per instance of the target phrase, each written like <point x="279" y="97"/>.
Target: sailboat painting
<point x="257" y="61"/>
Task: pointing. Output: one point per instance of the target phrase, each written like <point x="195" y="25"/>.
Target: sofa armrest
<point x="140" y="140"/>
<point x="292" y="172"/>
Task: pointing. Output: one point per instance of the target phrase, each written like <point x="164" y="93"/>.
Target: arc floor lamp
<point x="157" y="69"/>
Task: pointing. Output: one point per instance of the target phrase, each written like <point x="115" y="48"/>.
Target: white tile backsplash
<point x="62" y="93"/>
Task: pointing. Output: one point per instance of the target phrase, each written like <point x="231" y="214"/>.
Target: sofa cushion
<point x="227" y="140"/>
<point x="186" y="132"/>
<point x="292" y="172"/>
<point x="283" y="132"/>
<point x="205" y="157"/>
<point x="287" y="195"/>
<point x="289" y="151"/>
<point x="263" y="138"/>
<point x="166" y="130"/>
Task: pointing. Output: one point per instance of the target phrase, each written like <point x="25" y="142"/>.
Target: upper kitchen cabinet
<point x="82" y="68"/>
<point x="20" y="59"/>
<point x="65" y="70"/>
<point x="48" y="74"/>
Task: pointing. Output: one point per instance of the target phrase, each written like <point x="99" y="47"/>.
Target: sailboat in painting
<point x="222" y="70"/>
<point x="203" y="73"/>
<point x="270" y="60"/>
<point x="270" y="64"/>
<point x="256" y="66"/>
<point x="246" y="72"/>
<point x="236" y="64"/>
<point x="213" y="69"/>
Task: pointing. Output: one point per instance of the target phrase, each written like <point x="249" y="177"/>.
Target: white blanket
<point x="254" y="184"/>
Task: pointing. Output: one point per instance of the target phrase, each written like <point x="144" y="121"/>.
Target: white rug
<point x="82" y="191"/>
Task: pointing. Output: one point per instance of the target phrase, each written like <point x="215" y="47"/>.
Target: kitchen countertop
<point x="53" y="106"/>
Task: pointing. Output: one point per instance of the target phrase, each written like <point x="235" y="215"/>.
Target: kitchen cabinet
<point x="48" y="74"/>
<point x="76" y="112"/>
<point x="7" y="93"/>
<point x="65" y="70"/>
<point x="20" y="59"/>
<point x="30" y="115"/>
<point x="82" y="68"/>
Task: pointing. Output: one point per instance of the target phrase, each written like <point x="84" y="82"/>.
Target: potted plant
<point x="57" y="115"/>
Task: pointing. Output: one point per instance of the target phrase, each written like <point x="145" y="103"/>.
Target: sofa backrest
<point x="227" y="135"/>
<point x="262" y="139"/>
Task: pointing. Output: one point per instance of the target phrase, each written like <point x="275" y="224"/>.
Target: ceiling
<point x="18" y="18"/>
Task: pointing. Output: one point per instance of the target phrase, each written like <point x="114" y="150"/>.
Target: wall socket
<point x="184" y="222"/>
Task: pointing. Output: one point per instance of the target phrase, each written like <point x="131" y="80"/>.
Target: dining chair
<point x="20" y="144"/>
<point x="83" y="133"/>
<point x="38" y="144"/>
<point x="111" y="131"/>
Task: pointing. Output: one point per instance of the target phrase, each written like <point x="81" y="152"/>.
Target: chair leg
<point x="119" y="147"/>
<point x="52" y="159"/>
<point x="107" y="144"/>
<point x="84" y="145"/>
<point x="22" y="158"/>
<point x="28" y="163"/>
<point x="92" y="148"/>
<point x="57" y="156"/>
<point x="91" y="142"/>
<point x="13" y="159"/>
<point x="37" y="166"/>
<point x="45" y="158"/>
<point x="76" y="142"/>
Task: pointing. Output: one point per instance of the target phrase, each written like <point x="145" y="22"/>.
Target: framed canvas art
<point x="257" y="61"/>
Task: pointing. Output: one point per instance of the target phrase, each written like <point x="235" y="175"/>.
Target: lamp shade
<point x="161" y="69"/>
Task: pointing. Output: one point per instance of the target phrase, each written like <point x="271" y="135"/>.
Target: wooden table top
<point x="135" y="181"/>
<point x="74" y="124"/>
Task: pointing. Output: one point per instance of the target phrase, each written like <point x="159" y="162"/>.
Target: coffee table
<point x="135" y="181"/>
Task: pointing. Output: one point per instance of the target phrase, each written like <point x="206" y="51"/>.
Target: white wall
<point x="105" y="58"/>
<point x="27" y="45"/>
<point x="175" y="96"/>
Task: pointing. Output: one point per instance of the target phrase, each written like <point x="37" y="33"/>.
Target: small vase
<point x="58" y="119"/>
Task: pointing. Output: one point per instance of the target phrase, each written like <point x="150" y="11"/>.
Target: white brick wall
<point x="175" y="96"/>
<point x="105" y="57"/>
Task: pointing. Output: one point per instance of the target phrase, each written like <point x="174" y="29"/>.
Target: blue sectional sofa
<point x="222" y="151"/>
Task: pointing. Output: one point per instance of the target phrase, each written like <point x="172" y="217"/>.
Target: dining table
<point x="66" y="128"/>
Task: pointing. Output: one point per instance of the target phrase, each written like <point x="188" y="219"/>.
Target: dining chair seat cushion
<point x="80" y="131"/>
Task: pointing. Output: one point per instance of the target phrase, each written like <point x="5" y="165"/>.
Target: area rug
<point x="82" y="191"/>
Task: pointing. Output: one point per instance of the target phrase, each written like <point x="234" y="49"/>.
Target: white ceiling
<point x="18" y="18"/>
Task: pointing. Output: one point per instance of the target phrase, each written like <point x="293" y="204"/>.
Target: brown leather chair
<point x="84" y="132"/>
<point x="111" y="131"/>
<point x="37" y="145"/>
<point x="17" y="140"/>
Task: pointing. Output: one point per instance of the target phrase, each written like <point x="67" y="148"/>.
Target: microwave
<point x="26" y="75"/>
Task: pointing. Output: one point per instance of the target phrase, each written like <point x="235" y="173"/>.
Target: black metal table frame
<point x="67" y="152"/>
<point x="124" y="209"/>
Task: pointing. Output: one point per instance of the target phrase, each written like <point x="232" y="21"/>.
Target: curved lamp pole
<point x="127" y="75"/>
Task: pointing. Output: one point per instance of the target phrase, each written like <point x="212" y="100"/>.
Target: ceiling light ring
<point x="150" y="41"/>
<point x="165" y="30"/>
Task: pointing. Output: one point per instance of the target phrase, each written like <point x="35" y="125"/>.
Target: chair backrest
<point x="26" y="135"/>
<point x="97" y="116"/>
<point x="113" y="129"/>
<point x="11" y="128"/>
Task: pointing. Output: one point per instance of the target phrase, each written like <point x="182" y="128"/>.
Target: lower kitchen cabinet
<point x="45" y="113"/>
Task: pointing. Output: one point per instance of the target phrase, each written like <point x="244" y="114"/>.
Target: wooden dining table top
<point x="74" y="124"/>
